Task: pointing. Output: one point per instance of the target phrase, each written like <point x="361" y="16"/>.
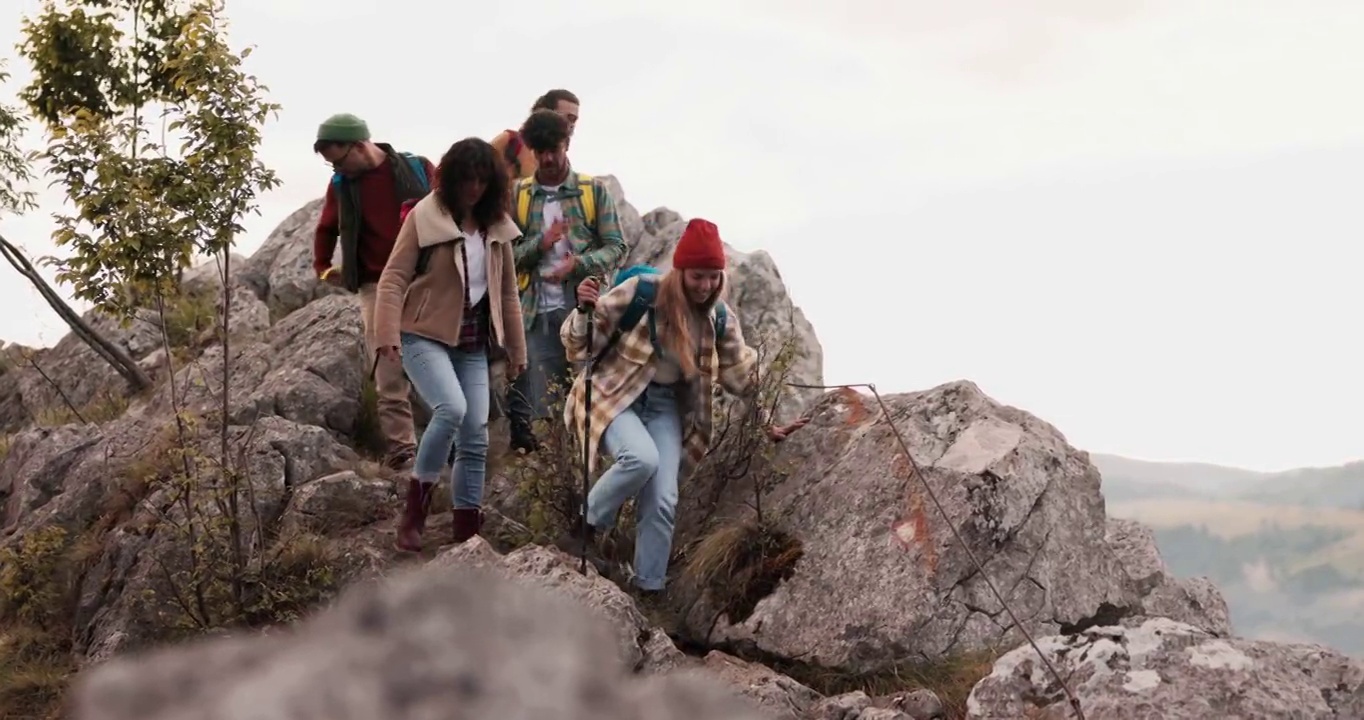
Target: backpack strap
<point x="511" y="152"/>
<point x="589" y="191"/>
<point x="721" y="318"/>
<point x="640" y="305"/>
<point x="523" y="188"/>
<point x="418" y="169"/>
<point x="522" y="209"/>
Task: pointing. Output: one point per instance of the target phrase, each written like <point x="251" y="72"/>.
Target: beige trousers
<point x="391" y="385"/>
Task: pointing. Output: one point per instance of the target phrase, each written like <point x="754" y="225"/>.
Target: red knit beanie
<point x="700" y="247"/>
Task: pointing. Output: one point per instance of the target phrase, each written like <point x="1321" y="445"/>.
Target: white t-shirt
<point x="551" y="293"/>
<point x="476" y="272"/>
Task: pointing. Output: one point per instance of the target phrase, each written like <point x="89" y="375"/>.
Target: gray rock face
<point x="781" y="697"/>
<point x="1195" y="601"/>
<point x="1169" y="670"/>
<point x="449" y="643"/>
<point x="882" y="578"/>
<point x="280" y="272"/>
<point x="642" y="647"/>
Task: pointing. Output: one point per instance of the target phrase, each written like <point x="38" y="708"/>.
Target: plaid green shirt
<point x="599" y="251"/>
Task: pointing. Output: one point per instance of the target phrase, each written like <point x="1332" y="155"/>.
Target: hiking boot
<point x="523" y="438"/>
<point x="571" y="542"/>
<point x="466" y="523"/>
<point x="413" y="519"/>
<point x="400" y="459"/>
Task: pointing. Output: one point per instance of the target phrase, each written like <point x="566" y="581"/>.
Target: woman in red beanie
<point x="651" y="402"/>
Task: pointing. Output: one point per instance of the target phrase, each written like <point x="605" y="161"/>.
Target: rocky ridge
<point x="875" y="582"/>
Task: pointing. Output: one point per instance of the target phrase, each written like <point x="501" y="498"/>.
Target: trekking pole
<point x="587" y="433"/>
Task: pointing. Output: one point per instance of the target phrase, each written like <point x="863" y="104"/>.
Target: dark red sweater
<point x="379" y="224"/>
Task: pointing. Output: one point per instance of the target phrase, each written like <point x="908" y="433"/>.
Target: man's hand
<point x="777" y="433"/>
<point x="332" y="276"/>
<point x="554" y="234"/>
<point x="391" y="353"/>
<point x="588" y="292"/>
<point x="562" y="268"/>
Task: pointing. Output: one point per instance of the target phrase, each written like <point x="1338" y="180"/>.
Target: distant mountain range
<point x="1125" y="479"/>
<point x="1286" y="548"/>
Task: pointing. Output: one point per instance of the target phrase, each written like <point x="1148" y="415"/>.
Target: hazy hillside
<point x="1196" y="478"/>
<point x="1286" y="548"/>
<point x="1128" y="479"/>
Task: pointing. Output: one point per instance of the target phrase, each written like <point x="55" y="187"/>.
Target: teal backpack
<point x="643" y="304"/>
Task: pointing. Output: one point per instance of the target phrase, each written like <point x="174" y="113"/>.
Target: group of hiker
<point x="502" y="252"/>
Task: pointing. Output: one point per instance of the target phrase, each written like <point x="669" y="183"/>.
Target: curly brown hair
<point x="544" y="130"/>
<point x="471" y="159"/>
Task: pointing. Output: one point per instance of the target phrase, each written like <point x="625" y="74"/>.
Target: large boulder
<point x="309" y="367"/>
<point x="1170" y="670"/>
<point x="1195" y="601"/>
<point x="440" y="642"/>
<point x="640" y="645"/>
<point x="881" y="578"/>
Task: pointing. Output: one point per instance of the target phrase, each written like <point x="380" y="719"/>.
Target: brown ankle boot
<point x="466" y="523"/>
<point x="413" y="520"/>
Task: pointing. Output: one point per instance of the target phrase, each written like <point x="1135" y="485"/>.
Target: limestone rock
<point x="639" y="644"/>
<point x="1195" y="601"/>
<point x="1173" y="671"/>
<point x="856" y="705"/>
<point x="882" y="578"/>
<point x="280" y="272"/>
<point x="450" y="643"/>
<point x="341" y="501"/>
<point x="309" y="368"/>
<point x="782" y="697"/>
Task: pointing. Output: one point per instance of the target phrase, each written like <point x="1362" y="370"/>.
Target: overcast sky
<point x="1138" y="219"/>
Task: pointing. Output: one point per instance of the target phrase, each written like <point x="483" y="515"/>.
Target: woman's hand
<point x="391" y="353"/>
<point x="588" y="292"/>
<point x="777" y="433"/>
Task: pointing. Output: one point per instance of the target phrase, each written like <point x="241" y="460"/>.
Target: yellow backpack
<point x="523" y="188"/>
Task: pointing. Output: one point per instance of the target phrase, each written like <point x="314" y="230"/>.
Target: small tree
<point x="107" y="74"/>
<point x="15" y="174"/>
<point x="738" y="560"/>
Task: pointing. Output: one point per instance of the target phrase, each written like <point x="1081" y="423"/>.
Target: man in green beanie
<point x="370" y="181"/>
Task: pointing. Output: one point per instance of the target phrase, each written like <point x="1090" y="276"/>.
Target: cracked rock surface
<point x="1195" y="601"/>
<point x="1161" y="668"/>
<point x="445" y="642"/>
<point x="882" y="578"/>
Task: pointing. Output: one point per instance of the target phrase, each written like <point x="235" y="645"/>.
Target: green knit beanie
<point x="343" y="127"/>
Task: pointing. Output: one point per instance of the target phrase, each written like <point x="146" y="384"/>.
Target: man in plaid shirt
<point x="559" y="249"/>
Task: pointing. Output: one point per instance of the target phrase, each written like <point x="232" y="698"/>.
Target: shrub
<point x="36" y="588"/>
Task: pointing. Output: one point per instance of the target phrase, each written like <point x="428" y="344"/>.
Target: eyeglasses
<point x="336" y="164"/>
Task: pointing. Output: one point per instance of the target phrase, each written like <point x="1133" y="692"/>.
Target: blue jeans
<point x="646" y="442"/>
<point x="454" y="383"/>
<point x="529" y="396"/>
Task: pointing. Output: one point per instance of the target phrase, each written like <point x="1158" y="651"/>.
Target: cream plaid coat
<point x="620" y="377"/>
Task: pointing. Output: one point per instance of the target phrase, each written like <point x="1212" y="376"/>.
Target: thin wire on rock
<point x="980" y="569"/>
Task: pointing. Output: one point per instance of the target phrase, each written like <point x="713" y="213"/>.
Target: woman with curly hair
<point x="446" y="298"/>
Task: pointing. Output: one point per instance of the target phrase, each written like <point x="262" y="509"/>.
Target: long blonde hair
<point x="675" y="316"/>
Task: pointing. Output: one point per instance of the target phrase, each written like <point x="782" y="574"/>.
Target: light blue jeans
<point x="454" y="384"/>
<point x="646" y="442"/>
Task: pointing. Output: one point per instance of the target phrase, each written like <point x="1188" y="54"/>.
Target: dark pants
<point x="548" y="376"/>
